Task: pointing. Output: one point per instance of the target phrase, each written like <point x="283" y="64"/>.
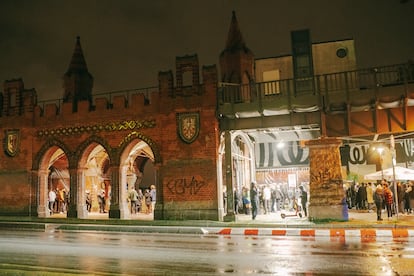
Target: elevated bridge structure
<point x="325" y="119"/>
<point x="354" y="105"/>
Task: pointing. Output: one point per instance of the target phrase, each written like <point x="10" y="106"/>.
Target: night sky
<point x="126" y="43"/>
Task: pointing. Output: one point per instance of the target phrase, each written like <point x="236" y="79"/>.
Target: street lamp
<point x="394" y="162"/>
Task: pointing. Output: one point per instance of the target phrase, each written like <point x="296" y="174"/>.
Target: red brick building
<point x="86" y="144"/>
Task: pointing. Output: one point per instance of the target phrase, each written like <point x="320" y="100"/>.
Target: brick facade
<point x="187" y="179"/>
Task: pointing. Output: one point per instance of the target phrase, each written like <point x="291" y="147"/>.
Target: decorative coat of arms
<point x="12" y="142"/>
<point x="188" y="126"/>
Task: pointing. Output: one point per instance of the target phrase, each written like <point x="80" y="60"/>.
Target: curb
<point x="365" y="234"/>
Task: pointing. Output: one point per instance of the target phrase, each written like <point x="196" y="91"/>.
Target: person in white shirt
<point x="52" y="199"/>
<point x="267" y="196"/>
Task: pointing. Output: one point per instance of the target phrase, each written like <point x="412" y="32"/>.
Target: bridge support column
<point x="72" y="211"/>
<point x="159" y="203"/>
<point x="42" y="191"/>
<point x="116" y="206"/>
<point x="81" y="198"/>
<point x="230" y="215"/>
<point x="327" y="196"/>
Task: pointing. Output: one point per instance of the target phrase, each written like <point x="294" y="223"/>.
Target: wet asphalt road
<point x="100" y="253"/>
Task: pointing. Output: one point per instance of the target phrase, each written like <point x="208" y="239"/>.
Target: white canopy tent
<point x="401" y="173"/>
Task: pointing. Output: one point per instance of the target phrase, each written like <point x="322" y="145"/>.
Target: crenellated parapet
<point x="16" y="100"/>
<point x="187" y="93"/>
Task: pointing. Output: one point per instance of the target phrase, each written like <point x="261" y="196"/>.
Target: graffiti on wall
<point x="182" y="186"/>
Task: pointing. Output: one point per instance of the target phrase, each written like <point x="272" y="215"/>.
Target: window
<point x="271" y="82"/>
<point x="341" y="52"/>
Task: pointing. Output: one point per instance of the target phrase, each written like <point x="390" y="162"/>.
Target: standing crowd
<point x="266" y="199"/>
<point x="139" y="202"/>
<point x="138" y="198"/>
<point x="58" y="201"/>
<point x="382" y="197"/>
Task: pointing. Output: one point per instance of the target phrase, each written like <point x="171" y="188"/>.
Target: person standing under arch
<point x="254" y="199"/>
<point x="153" y="193"/>
<point x="304" y="200"/>
<point x="52" y="199"/>
<point x="133" y="197"/>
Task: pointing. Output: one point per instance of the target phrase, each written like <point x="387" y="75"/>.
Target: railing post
<point x="348" y="98"/>
<point x="289" y="93"/>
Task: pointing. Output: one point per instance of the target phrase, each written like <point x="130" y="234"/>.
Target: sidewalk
<point x="360" y="223"/>
<point x="356" y="219"/>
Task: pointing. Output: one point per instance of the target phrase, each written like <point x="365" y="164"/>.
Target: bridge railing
<point x="321" y="89"/>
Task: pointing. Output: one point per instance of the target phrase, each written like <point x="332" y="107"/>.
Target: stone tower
<point x="77" y="81"/>
<point x="236" y="60"/>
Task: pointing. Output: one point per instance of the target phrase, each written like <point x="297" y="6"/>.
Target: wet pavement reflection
<point x="100" y="253"/>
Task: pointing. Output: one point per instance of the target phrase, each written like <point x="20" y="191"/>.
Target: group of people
<point x="267" y="199"/>
<point x="58" y="201"/>
<point x="101" y="197"/>
<point x="366" y="196"/>
<point x="137" y="198"/>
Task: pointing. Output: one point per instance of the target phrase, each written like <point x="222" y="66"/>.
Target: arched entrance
<point x="138" y="173"/>
<point x="236" y="170"/>
<point x="94" y="187"/>
<point x="53" y="183"/>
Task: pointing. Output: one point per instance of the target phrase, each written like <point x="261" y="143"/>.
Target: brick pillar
<point x="115" y="210"/>
<point x="73" y="194"/>
<point x="42" y="193"/>
<point x="230" y="216"/>
<point x="34" y="192"/>
<point x="327" y="196"/>
<point x="159" y="203"/>
<point x="81" y="196"/>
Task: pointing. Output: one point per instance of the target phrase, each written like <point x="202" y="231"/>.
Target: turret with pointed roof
<point x="77" y="81"/>
<point x="236" y="60"/>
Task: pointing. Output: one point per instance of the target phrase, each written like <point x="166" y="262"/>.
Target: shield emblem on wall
<point x="12" y="142"/>
<point x="188" y="126"/>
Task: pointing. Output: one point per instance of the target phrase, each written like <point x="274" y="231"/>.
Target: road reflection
<point x="98" y="253"/>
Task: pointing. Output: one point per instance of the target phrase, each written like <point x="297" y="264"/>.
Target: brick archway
<point x="49" y="153"/>
<point x="93" y="160"/>
<point x="135" y="153"/>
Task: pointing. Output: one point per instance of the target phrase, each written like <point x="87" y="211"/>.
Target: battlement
<point x="17" y="101"/>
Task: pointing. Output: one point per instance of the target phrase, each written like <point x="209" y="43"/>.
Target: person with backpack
<point x="379" y="200"/>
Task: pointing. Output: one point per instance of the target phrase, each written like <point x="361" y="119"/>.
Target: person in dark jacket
<point x="254" y="199"/>
<point x="379" y="200"/>
<point x="236" y="201"/>
<point x="304" y="199"/>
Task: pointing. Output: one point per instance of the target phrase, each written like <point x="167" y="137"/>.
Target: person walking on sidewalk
<point x="379" y="200"/>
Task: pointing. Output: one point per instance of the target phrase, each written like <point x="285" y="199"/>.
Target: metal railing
<point x="341" y="83"/>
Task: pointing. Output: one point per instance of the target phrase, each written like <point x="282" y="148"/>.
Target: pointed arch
<point x="51" y="151"/>
<point x="94" y="139"/>
<point x="94" y="158"/>
<point x="137" y="169"/>
<point x="53" y="142"/>
<point x="246" y="154"/>
<point x="134" y="135"/>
